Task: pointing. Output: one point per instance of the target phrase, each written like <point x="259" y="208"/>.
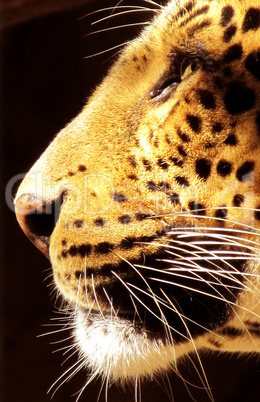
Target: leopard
<point x="147" y="204"/>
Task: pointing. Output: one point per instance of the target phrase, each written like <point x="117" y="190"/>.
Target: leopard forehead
<point x="164" y="154"/>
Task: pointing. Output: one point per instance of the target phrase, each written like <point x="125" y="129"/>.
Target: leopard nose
<point x="38" y="218"/>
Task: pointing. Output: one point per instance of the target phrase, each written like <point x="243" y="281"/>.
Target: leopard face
<point x="148" y="203"/>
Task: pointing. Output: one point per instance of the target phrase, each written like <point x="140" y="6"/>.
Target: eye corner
<point x="181" y="67"/>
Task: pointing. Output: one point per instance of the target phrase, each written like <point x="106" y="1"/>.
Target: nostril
<point x="38" y="219"/>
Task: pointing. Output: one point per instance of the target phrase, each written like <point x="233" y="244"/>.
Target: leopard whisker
<point x="65" y="349"/>
<point x="252" y="230"/>
<point x="100" y="10"/>
<point x="56" y="331"/>
<point x="128" y="287"/>
<point x="153" y="3"/>
<point x="67" y="375"/>
<point x="91" y="378"/>
<point x="204" y="383"/>
<point x="108" y="17"/>
<point x="113" y="312"/>
<point x="116" y="27"/>
<point x="213" y="256"/>
<point x="162" y="302"/>
<point x="206" y="270"/>
<point x="95" y="296"/>
<point x="107" y="50"/>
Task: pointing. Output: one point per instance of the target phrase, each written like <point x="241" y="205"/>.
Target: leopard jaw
<point x="120" y="350"/>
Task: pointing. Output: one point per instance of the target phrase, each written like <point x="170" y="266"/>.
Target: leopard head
<point x="147" y="203"/>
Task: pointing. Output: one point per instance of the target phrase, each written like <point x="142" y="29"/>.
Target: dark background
<point x="45" y="82"/>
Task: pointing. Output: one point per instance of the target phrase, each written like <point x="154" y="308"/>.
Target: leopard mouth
<point x="150" y="304"/>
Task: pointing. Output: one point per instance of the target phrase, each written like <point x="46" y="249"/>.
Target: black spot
<point x="145" y="239"/>
<point x="146" y="164"/>
<point x="176" y="161"/>
<point x="182" y="181"/>
<point x="124" y="219"/>
<point x="64" y="254"/>
<point x="174" y="198"/>
<point x="196" y="13"/>
<point x="226" y="15"/>
<point x="208" y="145"/>
<point x="156" y="143"/>
<point x="253" y="324"/>
<point x="119" y="197"/>
<point x="218" y="82"/>
<point x="215" y="343"/>
<point x="82" y="168"/>
<point x="71" y="173"/>
<point x="162" y="163"/>
<point x="128" y="243"/>
<point x="229" y="33"/>
<point x="231" y="140"/>
<point x="79" y="274"/>
<point x="64" y="242"/>
<point x="104" y="248"/>
<point x="257" y="120"/>
<point x="99" y="222"/>
<point x="233" y="53"/>
<point x="164" y="185"/>
<point x="238" y="200"/>
<point x="239" y="98"/>
<point x="73" y="251"/>
<point x="203" y="168"/>
<point x="224" y="168"/>
<point x="132" y="177"/>
<point x="184" y="137"/>
<point x="257" y="213"/>
<point x="78" y="224"/>
<point x="132" y="161"/>
<point x="232" y="331"/>
<point x="194" y="123"/>
<point x="106" y="269"/>
<point x="151" y="185"/>
<point x="227" y="71"/>
<point x="251" y="20"/>
<point x="84" y="249"/>
<point x="217" y="127"/>
<point x="167" y="139"/>
<point x="142" y="216"/>
<point x="206" y="98"/>
<point x="197" y="208"/>
<point x="252" y="64"/>
<point x="187" y="8"/>
<point x="245" y="170"/>
<point x="181" y="150"/>
<point x="197" y="27"/>
<point x="221" y="213"/>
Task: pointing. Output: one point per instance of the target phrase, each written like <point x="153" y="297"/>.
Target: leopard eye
<point x="188" y="67"/>
<point x="166" y="83"/>
<point x="170" y="80"/>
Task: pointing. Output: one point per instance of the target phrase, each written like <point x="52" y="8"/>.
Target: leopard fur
<point x="148" y="202"/>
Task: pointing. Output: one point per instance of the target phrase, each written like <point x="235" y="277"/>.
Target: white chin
<point x="116" y="348"/>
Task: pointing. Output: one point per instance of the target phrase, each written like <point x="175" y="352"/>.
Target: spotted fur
<point x="148" y="203"/>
